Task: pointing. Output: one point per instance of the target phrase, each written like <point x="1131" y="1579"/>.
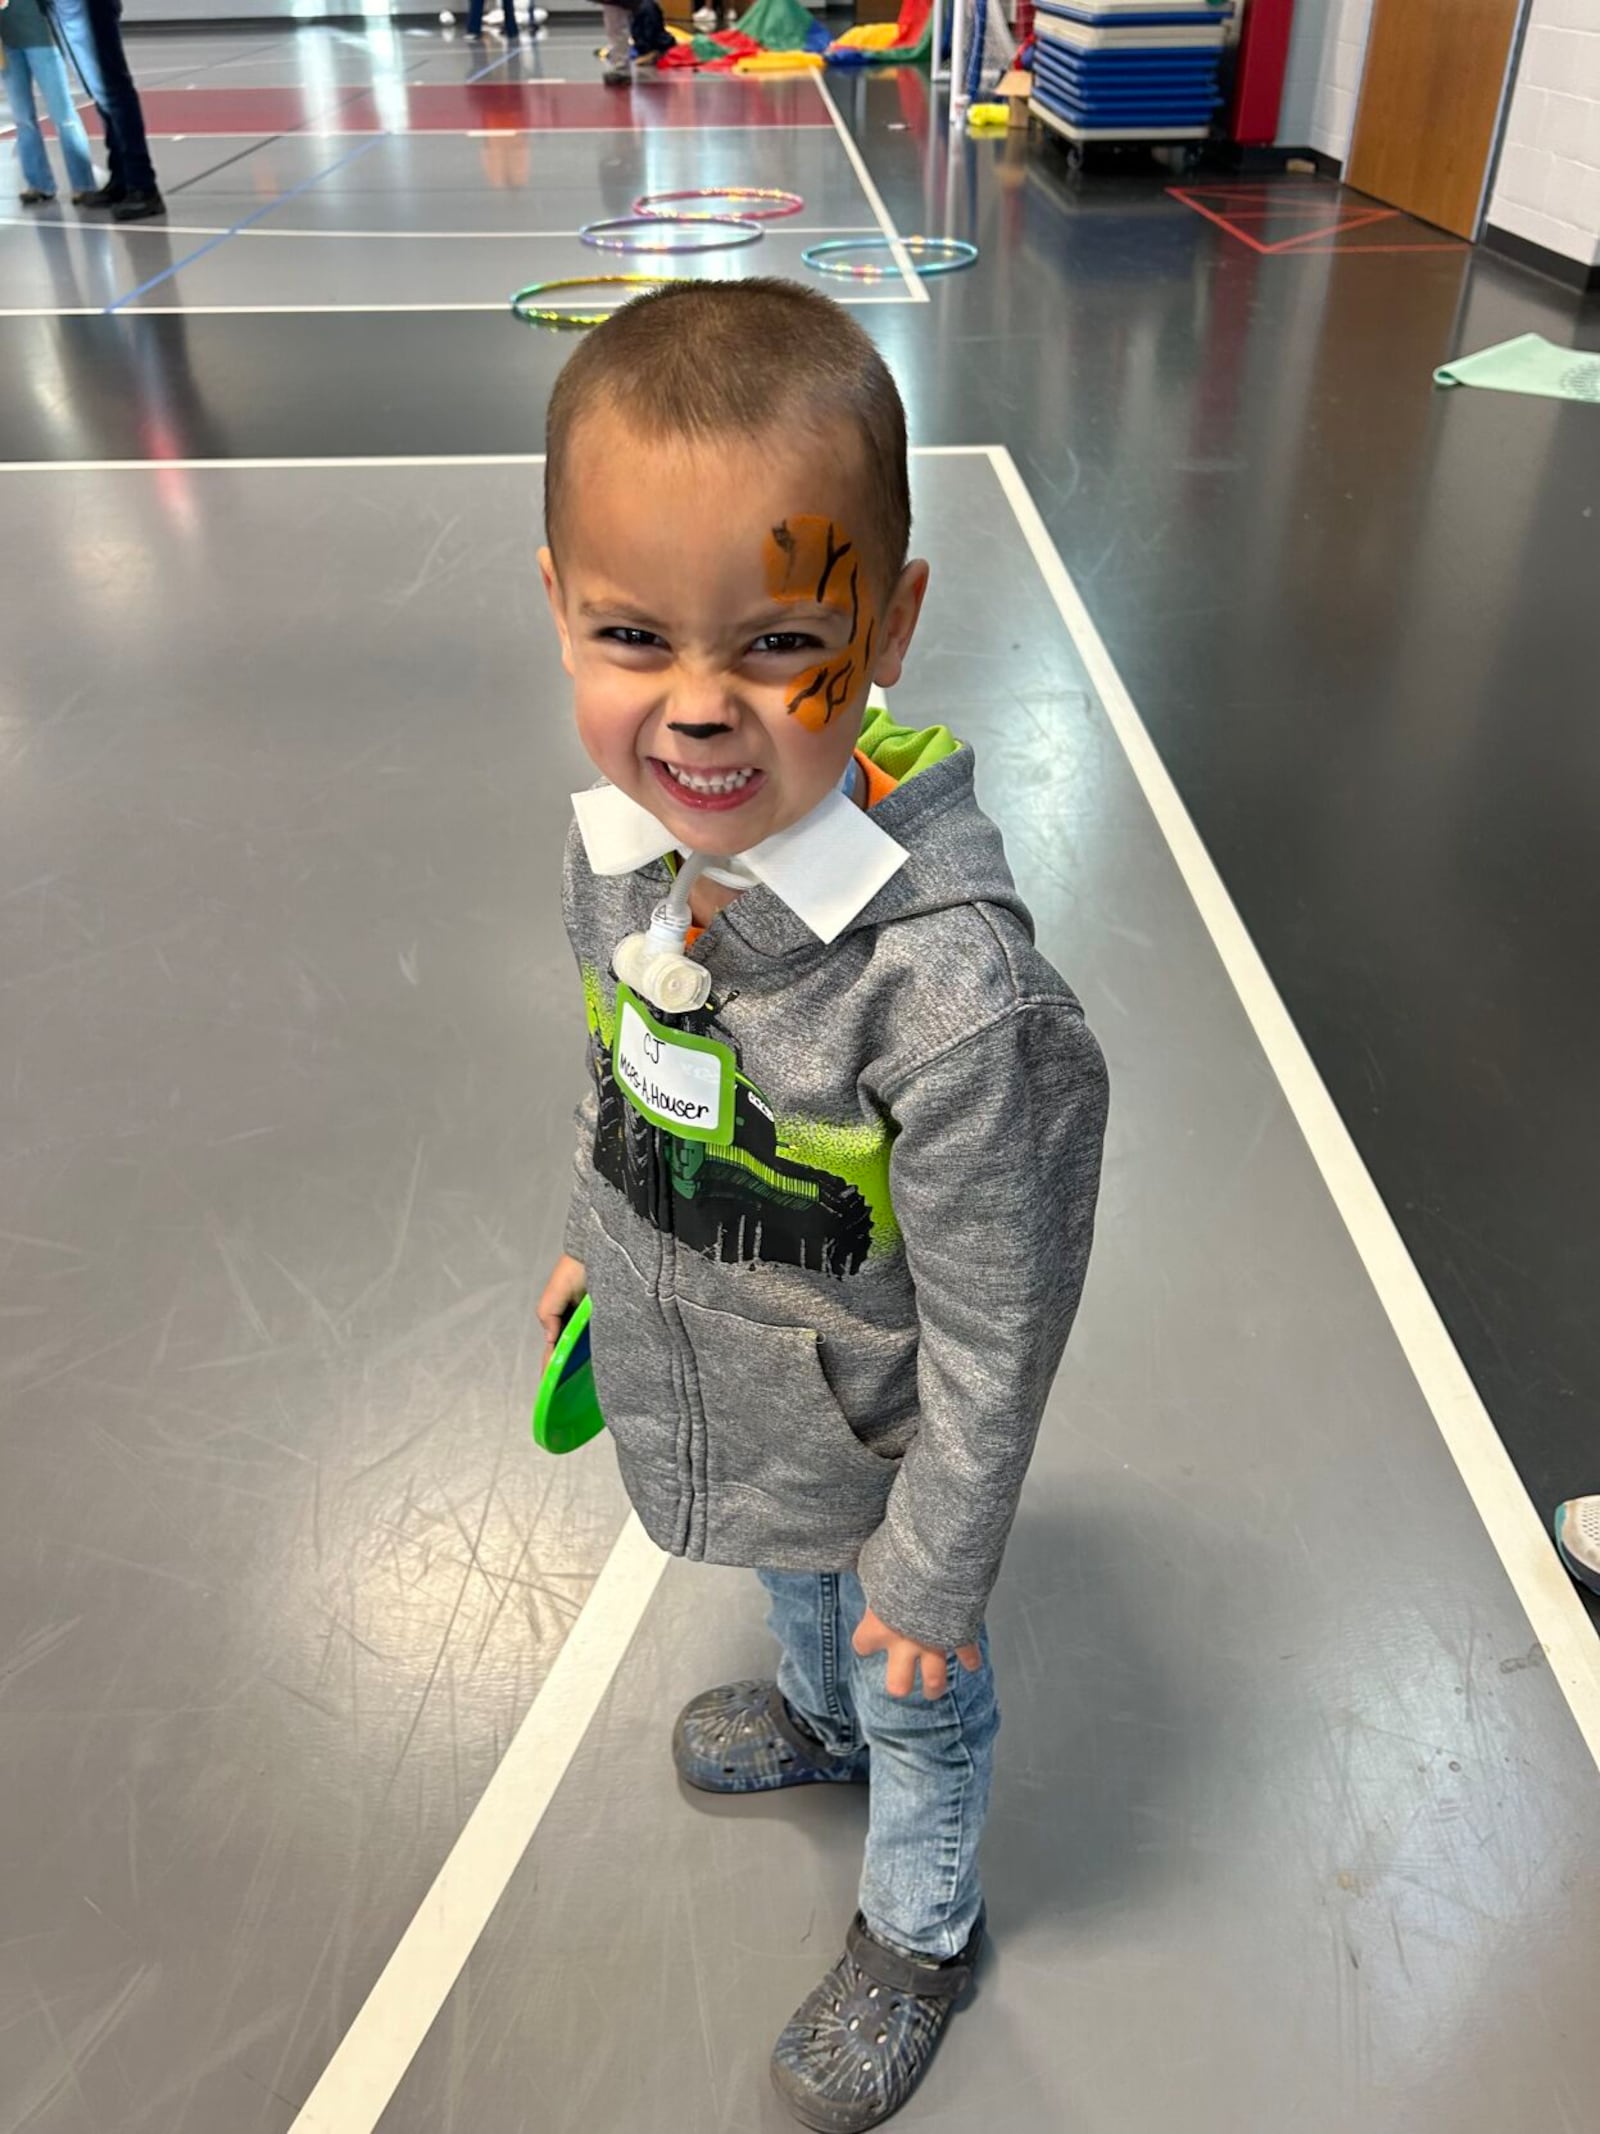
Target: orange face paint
<point x="811" y="559"/>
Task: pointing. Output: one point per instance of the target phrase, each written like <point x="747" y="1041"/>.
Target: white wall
<point x="1547" y="188"/>
<point x="1327" y="51"/>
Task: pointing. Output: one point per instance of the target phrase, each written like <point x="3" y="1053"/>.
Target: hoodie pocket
<point x="788" y="1480"/>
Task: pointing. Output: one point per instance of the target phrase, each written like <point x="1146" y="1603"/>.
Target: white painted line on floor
<point x="916" y="292"/>
<point x="358" y="459"/>
<point x="615" y="133"/>
<point x="220" y="229"/>
<point x="372" y="2057"/>
<point x="471" y="133"/>
<point x="246" y="311"/>
<point x="1518" y="1534"/>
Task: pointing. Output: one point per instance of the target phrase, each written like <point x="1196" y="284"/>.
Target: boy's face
<point x="721" y="623"/>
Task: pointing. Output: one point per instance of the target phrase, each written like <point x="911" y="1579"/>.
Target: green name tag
<point x="681" y="1083"/>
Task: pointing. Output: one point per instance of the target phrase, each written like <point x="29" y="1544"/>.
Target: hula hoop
<point x="751" y="203"/>
<point x="612" y="233"/>
<point x="550" y="315"/>
<point x="928" y="255"/>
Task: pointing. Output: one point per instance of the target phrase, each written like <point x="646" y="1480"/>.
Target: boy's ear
<point x="558" y="607"/>
<point x="900" y="624"/>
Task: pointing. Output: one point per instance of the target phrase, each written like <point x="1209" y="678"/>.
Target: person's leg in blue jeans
<point x="38" y="179"/>
<point x="508" y="22"/>
<point x="931" y="1763"/>
<point x="862" y="2040"/>
<point x="77" y="42"/>
<point x="50" y="76"/>
<point x="859" y="2044"/>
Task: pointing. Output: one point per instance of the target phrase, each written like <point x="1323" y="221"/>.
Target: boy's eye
<point x="635" y="640"/>
<point x="782" y="641"/>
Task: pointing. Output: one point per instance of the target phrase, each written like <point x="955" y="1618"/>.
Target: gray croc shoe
<point x="858" y="2046"/>
<point x="744" y="1738"/>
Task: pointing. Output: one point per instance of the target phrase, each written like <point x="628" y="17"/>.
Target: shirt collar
<point x="826" y="868"/>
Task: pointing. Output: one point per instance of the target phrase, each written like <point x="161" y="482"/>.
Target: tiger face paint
<point x="813" y="559"/>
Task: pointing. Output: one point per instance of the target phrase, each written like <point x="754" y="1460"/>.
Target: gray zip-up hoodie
<point x="826" y="1343"/>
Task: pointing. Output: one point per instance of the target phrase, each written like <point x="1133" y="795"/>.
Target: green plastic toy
<point x="567" y="1412"/>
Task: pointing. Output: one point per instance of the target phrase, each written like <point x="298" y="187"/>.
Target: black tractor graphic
<point x="742" y="1201"/>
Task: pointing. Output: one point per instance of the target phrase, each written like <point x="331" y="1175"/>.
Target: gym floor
<point x="1276" y="662"/>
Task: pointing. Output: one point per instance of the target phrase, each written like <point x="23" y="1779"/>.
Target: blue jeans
<point x="509" y="25"/>
<point x="931" y="1763"/>
<point x="42" y="66"/>
<point x="76" y="39"/>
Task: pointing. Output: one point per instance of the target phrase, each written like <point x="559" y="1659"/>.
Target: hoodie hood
<point x="955" y="855"/>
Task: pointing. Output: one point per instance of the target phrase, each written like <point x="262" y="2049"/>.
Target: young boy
<point x="827" y="1314"/>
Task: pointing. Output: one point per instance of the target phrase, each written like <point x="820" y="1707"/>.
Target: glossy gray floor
<point x="1293" y="1827"/>
<point x="288" y="1045"/>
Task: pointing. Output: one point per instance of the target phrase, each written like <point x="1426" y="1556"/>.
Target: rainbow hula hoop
<point x="751" y="203"/>
<point x="612" y="234"/>
<point x="532" y="314"/>
<point x="928" y="256"/>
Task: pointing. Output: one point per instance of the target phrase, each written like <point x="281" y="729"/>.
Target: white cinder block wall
<point x="1322" y="85"/>
<point x="1547" y="188"/>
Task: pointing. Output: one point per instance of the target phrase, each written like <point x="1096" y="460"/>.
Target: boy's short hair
<point x="741" y="359"/>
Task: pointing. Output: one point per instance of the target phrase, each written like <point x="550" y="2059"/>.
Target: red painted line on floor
<point x="1335" y="229"/>
<point x="1177" y="193"/>
<point x="1266" y="214"/>
<point x="489" y="107"/>
<point x="245" y="111"/>
<point x="1314" y="243"/>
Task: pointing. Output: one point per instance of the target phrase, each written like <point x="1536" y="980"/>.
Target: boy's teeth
<point x="726" y="782"/>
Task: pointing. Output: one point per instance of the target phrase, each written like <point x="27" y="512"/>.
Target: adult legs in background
<point x="614" y="59"/>
<point x="132" y="192"/>
<point x="537" y="16"/>
<point x="475" y="18"/>
<point x="50" y="76"/>
<point x="76" y="39"/>
<point x="38" y="179"/>
<point x="649" y="31"/>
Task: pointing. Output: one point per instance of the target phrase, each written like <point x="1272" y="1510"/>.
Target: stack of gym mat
<point x="1129" y="70"/>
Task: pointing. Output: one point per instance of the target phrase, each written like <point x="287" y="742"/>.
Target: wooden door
<point x="1430" y="98"/>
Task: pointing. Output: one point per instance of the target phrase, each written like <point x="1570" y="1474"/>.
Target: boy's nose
<point x="700" y="730"/>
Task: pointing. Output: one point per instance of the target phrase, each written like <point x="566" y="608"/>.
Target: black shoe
<point x="139" y="207"/>
<point x="858" y="2046"/>
<point x="88" y="199"/>
<point x="34" y="198"/>
<point x="108" y="195"/>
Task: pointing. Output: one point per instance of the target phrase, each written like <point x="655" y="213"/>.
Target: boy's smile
<point x="722" y="622"/>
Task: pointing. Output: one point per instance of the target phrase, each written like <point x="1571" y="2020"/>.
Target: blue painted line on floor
<point x="514" y="53"/>
<point x="222" y="238"/>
